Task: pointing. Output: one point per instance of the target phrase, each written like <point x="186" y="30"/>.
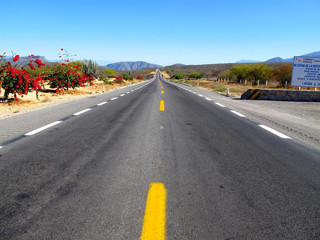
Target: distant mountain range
<point x="25" y="60"/>
<point x="132" y="65"/>
<point x="279" y="59"/>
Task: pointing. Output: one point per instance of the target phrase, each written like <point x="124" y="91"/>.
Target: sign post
<point x="306" y="72"/>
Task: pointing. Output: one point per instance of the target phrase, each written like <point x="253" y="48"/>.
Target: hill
<point x="132" y="65"/>
<point x="279" y="59"/>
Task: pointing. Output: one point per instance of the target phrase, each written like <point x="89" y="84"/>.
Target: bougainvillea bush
<point x="19" y="80"/>
<point x="119" y="80"/>
<point x="67" y="75"/>
<point x="16" y="80"/>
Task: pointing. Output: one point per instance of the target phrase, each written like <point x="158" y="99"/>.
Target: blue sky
<point x="163" y="32"/>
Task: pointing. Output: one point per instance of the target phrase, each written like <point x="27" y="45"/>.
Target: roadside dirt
<point x="49" y="97"/>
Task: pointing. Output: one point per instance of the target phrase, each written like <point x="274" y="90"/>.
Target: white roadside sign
<point x="306" y="72"/>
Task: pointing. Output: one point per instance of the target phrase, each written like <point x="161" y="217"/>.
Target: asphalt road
<point x="86" y="176"/>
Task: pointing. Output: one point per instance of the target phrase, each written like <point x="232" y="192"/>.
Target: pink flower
<point x="61" y="49"/>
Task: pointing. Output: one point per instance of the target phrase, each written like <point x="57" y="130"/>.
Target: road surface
<point x="87" y="175"/>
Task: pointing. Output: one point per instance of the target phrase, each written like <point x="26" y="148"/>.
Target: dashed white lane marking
<point x="112" y="99"/>
<point x="194" y="92"/>
<point x="42" y="128"/>
<point x="122" y="95"/>
<point x="1" y="147"/>
<point x="200" y="95"/>
<point x="132" y="90"/>
<point x="219" y="104"/>
<point x="83" y="111"/>
<point x="237" y="113"/>
<point x="100" y="104"/>
<point x="209" y="99"/>
<point x="275" y="132"/>
<point x="127" y="92"/>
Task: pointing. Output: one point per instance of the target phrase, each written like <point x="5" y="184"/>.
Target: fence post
<point x="286" y="84"/>
<point x="258" y="83"/>
<point x="275" y="83"/>
<point x="251" y="82"/>
<point x="266" y="83"/>
<point x="245" y="82"/>
<point x="240" y="81"/>
<point x="227" y="92"/>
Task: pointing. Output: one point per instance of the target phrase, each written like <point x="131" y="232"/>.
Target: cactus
<point x="90" y="68"/>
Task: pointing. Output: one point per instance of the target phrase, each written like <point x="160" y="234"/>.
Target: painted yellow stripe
<point x="154" y="222"/>
<point x="161" y="105"/>
<point x="255" y="95"/>
<point x="162" y="92"/>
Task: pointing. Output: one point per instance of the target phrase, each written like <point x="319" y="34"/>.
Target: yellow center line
<point x="162" y="92"/>
<point x="161" y="105"/>
<point x="154" y="222"/>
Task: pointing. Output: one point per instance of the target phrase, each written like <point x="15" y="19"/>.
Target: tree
<point x="240" y="71"/>
<point x="195" y="75"/>
<point x="177" y="76"/>
<point x="259" y="71"/>
<point x="106" y="72"/>
<point x="227" y="75"/>
<point x="283" y="73"/>
<point x="125" y="76"/>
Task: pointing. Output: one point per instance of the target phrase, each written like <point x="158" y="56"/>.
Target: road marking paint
<point x="83" y="111"/>
<point x="122" y="95"/>
<point x="237" y="113"/>
<point x="194" y="92"/>
<point x="161" y="105"/>
<point x="42" y="128"/>
<point x="162" y="92"/>
<point x="154" y="222"/>
<point x="132" y="90"/>
<point x="127" y="92"/>
<point x="209" y="99"/>
<point x="200" y="95"/>
<point x="112" y="99"/>
<point x="219" y="104"/>
<point x="1" y="147"/>
<point x="100" y="104"/>
<point x="275" y="132"/>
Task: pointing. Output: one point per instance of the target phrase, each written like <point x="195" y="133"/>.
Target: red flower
<point x="32" y="67"/>
<point x="61" y="49"/>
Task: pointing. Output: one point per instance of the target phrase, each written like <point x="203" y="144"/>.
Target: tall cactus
<point x="90" y="68"/>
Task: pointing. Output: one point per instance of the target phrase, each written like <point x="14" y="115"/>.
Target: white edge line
<point x="83" y="111"/>
<point x="237" y="113"/>
<point x="209" y="99"/>
<point x="42" y="128"/>
<point x="1" y="147"/>
<point x="112" y="99"/>
<point x="279" y="134"/>
<point x="219" y="104"/>
<point x="122" y="95"/>
<point x="100" y="104"/>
